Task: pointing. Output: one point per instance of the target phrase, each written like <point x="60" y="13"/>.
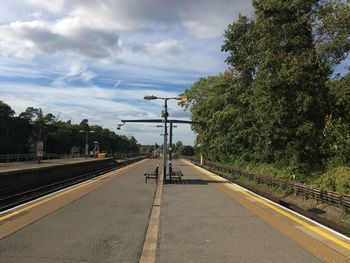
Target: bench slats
<point x="151" y="173"/>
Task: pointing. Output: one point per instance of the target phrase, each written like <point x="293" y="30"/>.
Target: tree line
<point x="19" y="134"/>
<point x="177" y="148"/>
<point x="280" y="102"/>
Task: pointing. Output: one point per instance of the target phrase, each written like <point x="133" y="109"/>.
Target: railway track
<point x="16" y="196"/>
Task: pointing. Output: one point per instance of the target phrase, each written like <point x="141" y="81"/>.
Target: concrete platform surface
<point x="106" y="225"/>
<point x="200" y="223"/>
<point x="17" y="166"/>
<point x="203" y="218"/>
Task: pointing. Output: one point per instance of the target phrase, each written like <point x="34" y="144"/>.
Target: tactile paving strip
<point x="313" y="246"/>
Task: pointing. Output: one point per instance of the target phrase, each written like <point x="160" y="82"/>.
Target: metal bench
<point x="152" y="173"/>
<point x="176" y="174"/>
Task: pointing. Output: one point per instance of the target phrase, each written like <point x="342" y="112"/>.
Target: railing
<point x="335" y="198"/>
<point x="6" y="158"/>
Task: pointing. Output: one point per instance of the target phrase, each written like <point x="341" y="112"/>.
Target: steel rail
<point x="29" y="192"/>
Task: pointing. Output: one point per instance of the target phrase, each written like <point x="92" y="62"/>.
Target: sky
<point x="97" y="59"/>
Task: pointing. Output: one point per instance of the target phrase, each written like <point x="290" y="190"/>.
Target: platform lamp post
<point x="165" y="116"/>
<point x="170" y="144"/>
<point x="86" y="142"/>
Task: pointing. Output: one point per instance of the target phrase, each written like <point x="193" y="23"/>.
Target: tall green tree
<point x="331" y="30"/>
<point x="6" y="127"/>
<point x="18" y="134"/>
<point x="275" y="103"/>
<point x="289" y="93"/>
<point x="336" y="135"/>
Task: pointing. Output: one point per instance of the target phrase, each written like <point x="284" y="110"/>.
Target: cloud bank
<point x="97" y="59"/>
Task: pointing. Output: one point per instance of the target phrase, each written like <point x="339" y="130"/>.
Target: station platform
<point x="101" y="220"/>
<point x="202" y="218"/>
<point x="205" y="218"/>
<point x="18" y="166"/>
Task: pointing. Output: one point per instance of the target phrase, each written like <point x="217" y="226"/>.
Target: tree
<point x="240" y="43"/>
<point x="6" y="111"/>
<point x="339" y="97"/>
<point x="275" y="102"/>
<point x="289" y="94"/>
<point x="6" y="128"/>
<point x="84" y="125"/>
<point x="336" y="135"/>
<point x="187" y="150"/>
<point x="331" y="29"/>
<point x="18" y="134"/>
<point x="178" y="146"/>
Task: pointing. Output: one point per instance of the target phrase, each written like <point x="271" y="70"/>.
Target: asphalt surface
<point x="200" y="223"/>
<point x="106" y="225"/>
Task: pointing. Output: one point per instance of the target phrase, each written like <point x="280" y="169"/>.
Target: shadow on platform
<point x="193" y="182"/>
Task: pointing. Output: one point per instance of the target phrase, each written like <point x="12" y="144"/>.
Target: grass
<point x="335" y="179"/>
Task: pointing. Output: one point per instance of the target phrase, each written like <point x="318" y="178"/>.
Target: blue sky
<point x="97" y="59"/>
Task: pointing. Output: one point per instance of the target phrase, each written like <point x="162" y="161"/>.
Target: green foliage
<point x="289" y="94"/>
<point x="276" y="109"/>
<point x="240" y="42"/>
<point x="331" y="25"/>
<point x="13" y="131"/>
<point x="18" y="134"/>
<point x="340" y="97"/>
<point x="178" y="146"/>
<point x="336" y="142"/>
<point x="336" y="134"/>
<point x="337" y="179"/>
<point x="297" y="172"/>
<point x="187" y="150"/>
<point x="146" y="149"/>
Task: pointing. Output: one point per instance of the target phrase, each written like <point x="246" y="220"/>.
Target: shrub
<point x="336" y="143"/>
<point x="337" y="179"/>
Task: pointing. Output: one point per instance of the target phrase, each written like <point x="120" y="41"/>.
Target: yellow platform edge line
<point x="259" y="199"/>
<point x="292" y="217"/>
<point x="44" y="200"/>
<point x="50" y="197"/>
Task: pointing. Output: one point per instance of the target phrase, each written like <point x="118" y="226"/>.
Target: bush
<point x="336" y="143"/>
<point x="187" y="151"/>
<point x="337" y="179"/>
<point x="298" y="172"/>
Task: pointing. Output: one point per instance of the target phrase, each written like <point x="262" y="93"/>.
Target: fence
<point x="335" y="198"/>
<point x="6" y="158"/>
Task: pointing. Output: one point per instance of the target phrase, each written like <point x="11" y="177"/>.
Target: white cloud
<point x="54" y="6"/>
<point x="67" y="37"/>
<point x="88" y="75"/>
<point x="167" y="46"/>
<point x="200" y="30"/>
<point x="73" y="71"/>
<point x="210" y="15"/>
<point x="164" y="48"/>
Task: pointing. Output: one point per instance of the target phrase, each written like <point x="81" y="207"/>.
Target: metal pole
<point x="86" y="145"/>
<point x="171" y="147"/>
<point x="39" y="158"/>
<point x="165" y="137"/>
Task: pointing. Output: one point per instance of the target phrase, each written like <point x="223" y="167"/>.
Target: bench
<point x="151" y="173"/>
<point x="176" y="174"/>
